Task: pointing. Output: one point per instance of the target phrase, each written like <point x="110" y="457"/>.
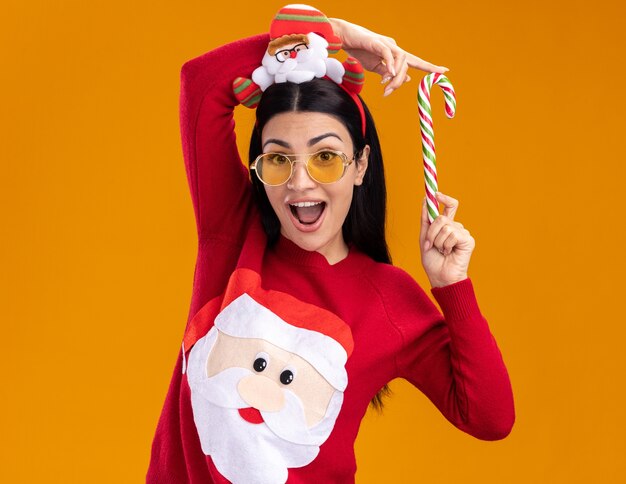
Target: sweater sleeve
<point x="454" y="359"/>
<point x="220" y="191"/>
<point x="219" y="183"/>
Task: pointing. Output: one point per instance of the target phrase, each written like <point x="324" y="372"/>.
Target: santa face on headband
<point x="297" y="58"/>
<point x="265" y="394"/>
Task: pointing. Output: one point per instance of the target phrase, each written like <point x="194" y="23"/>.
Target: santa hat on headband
<point x="304" y="37"/>
<point x="302" y="19"/>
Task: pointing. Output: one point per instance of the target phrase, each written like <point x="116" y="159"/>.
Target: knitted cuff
<point x="457" y="301"/>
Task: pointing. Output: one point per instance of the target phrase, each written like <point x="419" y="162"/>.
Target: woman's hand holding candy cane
<point x="445" y="244"/>
<point x="380" y="54"/>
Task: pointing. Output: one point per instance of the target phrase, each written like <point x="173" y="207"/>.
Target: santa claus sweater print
<point x="283" y="352"/>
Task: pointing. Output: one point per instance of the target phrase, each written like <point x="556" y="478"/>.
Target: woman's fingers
<point x="443" y="234"/>
<point x="450" y="204"/>
<point x="421" y="64"/>
<point x="440" y="228"/>
<point x="446" y="239"/>
<point x="433" y="230"/>
<point x="449" y="243"/>
<point x="383" y="71"/>
<point x="380" y="53"/>
<point x="401" y="68"/>
<point x="384" y="51"/>
<point x="386" y="77"/>
<point x="402" y="61"/>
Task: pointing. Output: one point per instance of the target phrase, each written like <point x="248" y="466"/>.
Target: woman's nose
<point x="300" y="179"/>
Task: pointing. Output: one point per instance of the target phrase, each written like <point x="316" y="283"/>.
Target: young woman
<point x="298" y="319"/>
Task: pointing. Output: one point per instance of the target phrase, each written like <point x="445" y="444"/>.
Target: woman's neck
<point x="334" y="250"/>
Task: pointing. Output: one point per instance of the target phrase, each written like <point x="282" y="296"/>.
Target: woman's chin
<point x="305" y="240"/>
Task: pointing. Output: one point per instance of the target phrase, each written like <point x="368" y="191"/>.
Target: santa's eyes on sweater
<point x="260" y="362"/>
<point x="287" y="375"/>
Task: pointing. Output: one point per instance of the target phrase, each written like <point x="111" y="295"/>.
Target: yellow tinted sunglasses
<point x="324" y="166"/>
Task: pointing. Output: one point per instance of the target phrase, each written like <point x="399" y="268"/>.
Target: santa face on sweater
<point x="260" y="407"/>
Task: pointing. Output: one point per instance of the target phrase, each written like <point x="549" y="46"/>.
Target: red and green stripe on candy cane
<point x="428" y="134"/>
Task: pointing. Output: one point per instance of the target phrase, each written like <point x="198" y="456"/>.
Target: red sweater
<point x="396" y="329"/>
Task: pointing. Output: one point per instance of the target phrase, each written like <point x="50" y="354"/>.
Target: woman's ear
<point x="361" y="165"/>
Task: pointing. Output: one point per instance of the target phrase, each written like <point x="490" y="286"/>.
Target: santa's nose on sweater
<point x="293" y="54"/>
<point x="261" y="393"/>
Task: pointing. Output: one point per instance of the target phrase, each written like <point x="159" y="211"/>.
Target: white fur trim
<point x="300" y="6"/>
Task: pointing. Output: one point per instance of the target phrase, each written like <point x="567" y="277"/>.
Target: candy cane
<point x="428" y="134"/>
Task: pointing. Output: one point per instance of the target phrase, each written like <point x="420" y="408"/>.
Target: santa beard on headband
<point x="257" y="446"/>
<point x="307" y="64"/>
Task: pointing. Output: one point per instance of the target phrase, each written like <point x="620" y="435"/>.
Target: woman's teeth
<point x="304" y="204"/>
<point x="307" y="212"/>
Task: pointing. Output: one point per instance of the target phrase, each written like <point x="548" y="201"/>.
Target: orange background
<point x="98" y="236"/>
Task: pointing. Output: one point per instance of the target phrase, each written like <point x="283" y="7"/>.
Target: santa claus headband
<point x="301" y="39"/>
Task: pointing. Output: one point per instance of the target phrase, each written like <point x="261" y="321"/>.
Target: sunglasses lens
<point x="326" y="166"/>
<point x="273" y="168"/>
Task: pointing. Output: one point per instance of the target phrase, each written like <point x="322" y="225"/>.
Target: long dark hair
<point x="364" y="226"/>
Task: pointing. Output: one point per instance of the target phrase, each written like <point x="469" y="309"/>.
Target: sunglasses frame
<point x="346" y="163"/>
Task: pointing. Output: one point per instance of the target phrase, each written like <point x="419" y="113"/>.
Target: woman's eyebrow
<point x="319" y="138"/>
<point x="311" y="142"/>
<point x="279" y="142"/>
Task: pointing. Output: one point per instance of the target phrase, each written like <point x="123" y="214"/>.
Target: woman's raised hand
<point x="446" y="245"/>
<point x="380" y="54"/>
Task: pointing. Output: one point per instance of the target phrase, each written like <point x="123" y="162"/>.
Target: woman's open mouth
<point x="307" y="216"/>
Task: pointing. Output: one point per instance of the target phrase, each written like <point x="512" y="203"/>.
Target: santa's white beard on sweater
<point x="245" y="452"/>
